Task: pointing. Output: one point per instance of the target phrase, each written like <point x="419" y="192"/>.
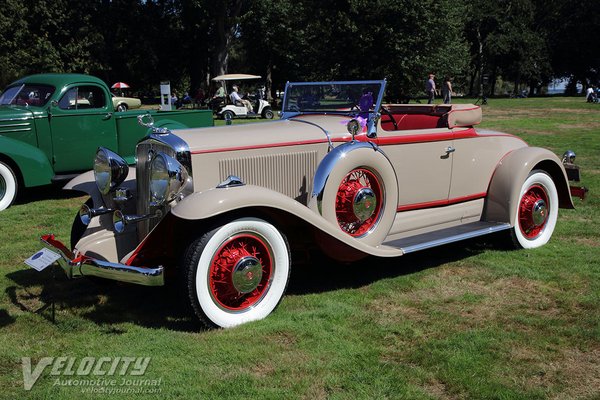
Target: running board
<point x="445" y="236"/>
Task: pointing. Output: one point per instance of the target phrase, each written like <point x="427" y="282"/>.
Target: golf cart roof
<point x="235" y="77"/>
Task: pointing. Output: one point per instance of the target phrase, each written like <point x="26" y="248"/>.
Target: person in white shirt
<point x="589" y="94"/>
<point x="238" y="101"/>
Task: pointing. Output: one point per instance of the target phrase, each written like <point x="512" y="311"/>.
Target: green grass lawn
<point x="469" y="320"/>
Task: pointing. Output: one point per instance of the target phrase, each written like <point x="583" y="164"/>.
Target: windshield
<point x="360" y="97"/>
<point x="27" y="95"/>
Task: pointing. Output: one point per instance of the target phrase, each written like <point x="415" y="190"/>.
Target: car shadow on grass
<point x="327" y="275"/>
<point x="104" y="302"/>
<point x="110" y="303"/>
<point x="47" y="192"/>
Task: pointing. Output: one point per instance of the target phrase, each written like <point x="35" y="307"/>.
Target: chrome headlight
<point x="568" y="157"/>
<point x="167" y="178"/>
<point x="110" y="170"/>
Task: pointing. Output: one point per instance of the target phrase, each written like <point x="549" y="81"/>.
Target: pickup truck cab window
<point x="82" y="97"/>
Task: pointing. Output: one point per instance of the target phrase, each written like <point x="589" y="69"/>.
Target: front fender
<point x="511" y="172"/>
<point x="86" y="183"/>
<point x="213" y="202"/>
<point x="33" y="164"/>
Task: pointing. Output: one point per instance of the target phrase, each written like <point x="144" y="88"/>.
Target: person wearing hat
<point x="430" y="89"/>
<point x="238" y="101"/>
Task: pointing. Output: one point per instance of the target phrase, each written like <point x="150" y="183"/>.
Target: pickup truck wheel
<point x="8" y="186"/>
<point x="536" y="212"/>
<point x="237" y="272"/>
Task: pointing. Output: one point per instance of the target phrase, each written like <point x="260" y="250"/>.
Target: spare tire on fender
<point x="356" y="188"/>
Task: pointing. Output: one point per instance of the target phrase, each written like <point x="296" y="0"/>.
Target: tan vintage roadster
<point x="218" y="208"/>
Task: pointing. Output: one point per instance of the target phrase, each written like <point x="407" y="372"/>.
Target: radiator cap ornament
<point x="147" y="121"/>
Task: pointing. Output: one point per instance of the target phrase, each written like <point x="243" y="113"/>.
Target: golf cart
<point x="261" y="107"/>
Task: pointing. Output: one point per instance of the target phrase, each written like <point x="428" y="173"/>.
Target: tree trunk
<point x="532" y="86"/>
<point x="493" y="83"/>
<point x="225" y="16"/>
<point x="472" y="82"/>
<point x="269" y="82"/>
<point x="221" y="51"/>
<point x="480" y="42"/>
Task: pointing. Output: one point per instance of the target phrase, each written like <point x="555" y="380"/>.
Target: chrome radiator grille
<point x="142" y="169"/>
<point x="290" y="174"/>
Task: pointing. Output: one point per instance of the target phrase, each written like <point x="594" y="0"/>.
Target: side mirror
<point x="54" y="103"/>
<point x="353" y="127"/>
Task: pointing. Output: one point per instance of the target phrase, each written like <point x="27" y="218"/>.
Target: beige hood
<point x="301" y="130"/>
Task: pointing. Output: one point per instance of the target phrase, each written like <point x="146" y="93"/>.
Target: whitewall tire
<point x="237" y="272"/>
<point x="537" y="211"/>
<point x="8" y="186"/>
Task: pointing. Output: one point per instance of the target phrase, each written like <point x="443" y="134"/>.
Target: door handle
<point x="107" y="116"/>
<point x="450" y="149"/>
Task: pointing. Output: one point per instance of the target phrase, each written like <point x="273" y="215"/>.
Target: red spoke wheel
<point x="358" y="202"/>
<point x="537" y="211"/>
<point x="240" y="272"/>
<point x="533" y="212"/>
<point x="237" y="272"/>
<point x="356" y="190"/>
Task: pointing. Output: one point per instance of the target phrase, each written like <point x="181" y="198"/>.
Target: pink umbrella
<point x="120" y="85"/>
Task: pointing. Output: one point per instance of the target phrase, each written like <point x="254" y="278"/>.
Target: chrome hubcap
<point x="539" y="212"/>
<point x="364" y="204"/>
<point x="247" y="274"/>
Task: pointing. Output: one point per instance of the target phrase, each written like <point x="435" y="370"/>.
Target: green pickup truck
<point x="52" y="124"/>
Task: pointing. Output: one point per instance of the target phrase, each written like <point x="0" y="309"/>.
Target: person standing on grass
<point x="430" y="89"/>
<point x="447" y="91"/>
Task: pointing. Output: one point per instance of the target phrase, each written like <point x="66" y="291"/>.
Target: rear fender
<point x="511" y="172"/>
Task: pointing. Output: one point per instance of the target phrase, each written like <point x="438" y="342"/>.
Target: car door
<point x="423" y="163"/>
<point x="80" y="122"/>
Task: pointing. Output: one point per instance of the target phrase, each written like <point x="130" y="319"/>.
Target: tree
<point x="48" y="36"/>
<point x="507" y="39"/>
<point x="225" y="16"/>
<point x="13" y="56"/>
<point x="573" y="29"/>
<point x="518" y="45"/>
<point x="357" y="39"/>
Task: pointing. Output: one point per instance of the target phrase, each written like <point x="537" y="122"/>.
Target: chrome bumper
<point x="87" y="266"/>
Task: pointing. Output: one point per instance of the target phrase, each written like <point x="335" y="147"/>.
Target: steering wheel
<point x="387" y="112"/>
